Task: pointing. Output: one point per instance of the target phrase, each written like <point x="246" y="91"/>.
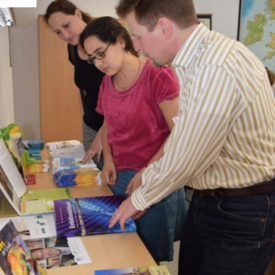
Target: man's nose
<point x="137" y="45"/>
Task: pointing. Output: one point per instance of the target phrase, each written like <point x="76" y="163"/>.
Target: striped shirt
<point x="224" y="133"/>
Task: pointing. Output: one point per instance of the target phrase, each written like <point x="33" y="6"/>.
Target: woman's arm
<point x="108" y="174"/>
<point x="169" y="110"/>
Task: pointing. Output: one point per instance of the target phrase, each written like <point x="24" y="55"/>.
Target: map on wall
<point x="257" y="29"/>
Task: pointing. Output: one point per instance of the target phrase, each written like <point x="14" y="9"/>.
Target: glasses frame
<point x="90" y="60"/>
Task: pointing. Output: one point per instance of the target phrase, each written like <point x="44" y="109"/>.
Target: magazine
<point x="77" y="153"/>
<point x="15" y="256"/>
<point x="52" y="252"/>
<point x="88" y="216"/>
<point x="146" y="270"/>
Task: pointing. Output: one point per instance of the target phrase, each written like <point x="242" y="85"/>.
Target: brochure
<point x="146" y="270"/>
<point x="52" y="252"/>
<point x="88" y="216"/>
<point x="61" y="145"/>
<point x="39" y="201"/>
<point x="15" y="256"/>
<point x="33" y="226"/>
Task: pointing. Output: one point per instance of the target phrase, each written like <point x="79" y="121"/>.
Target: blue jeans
<point x="230" y="236"/>
<point x="88" y="137"/>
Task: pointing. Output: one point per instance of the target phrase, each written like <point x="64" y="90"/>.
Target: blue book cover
<point x="88" y="216"/>
<point x="34" y="144"/>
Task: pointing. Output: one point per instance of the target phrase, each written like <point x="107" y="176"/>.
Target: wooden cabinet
<point x="59" y="97"/>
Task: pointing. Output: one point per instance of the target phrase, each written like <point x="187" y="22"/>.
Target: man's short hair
<point x="148" y="12"/>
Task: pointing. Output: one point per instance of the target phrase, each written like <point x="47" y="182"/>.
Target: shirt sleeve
<point x="196" y="139"/>
<point x="99" y="107"/>
<point x="165" y="85"/>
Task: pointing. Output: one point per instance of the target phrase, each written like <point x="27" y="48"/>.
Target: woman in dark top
<point x="68" y="22"/>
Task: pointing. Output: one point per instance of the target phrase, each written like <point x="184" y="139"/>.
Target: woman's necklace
<point x="124" y="88"/>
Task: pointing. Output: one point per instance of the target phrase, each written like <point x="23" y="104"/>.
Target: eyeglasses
<point x="98" y="56"/>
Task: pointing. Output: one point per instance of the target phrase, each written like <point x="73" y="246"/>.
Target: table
<point x="106" y="251"/>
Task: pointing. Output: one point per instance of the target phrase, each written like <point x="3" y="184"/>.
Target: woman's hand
<point x="135" y="182"/>
<point x="95" y="148"/>
<point x="108" y="174"/>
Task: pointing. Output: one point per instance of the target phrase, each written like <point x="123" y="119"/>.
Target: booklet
<point x="33" y="226"/>
<point x="88" y="216"/>
<point x="77" y="153"/>
<point x="15" y="256"/>
<point x="33" y="144"/>
<point x="39" y="201"/>
<point x="146" y="270"/>
<point x="52" y="252"/>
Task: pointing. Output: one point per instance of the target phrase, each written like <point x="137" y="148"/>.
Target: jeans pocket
<point x="240" y="211"/>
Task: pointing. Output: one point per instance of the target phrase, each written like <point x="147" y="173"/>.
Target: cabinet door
<point x="59" y="97"/>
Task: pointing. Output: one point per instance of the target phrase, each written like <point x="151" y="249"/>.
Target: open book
<point x="88" y="216"/>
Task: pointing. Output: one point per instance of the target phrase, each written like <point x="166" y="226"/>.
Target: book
<point x="61" y="145"/>
<point x="88" y="216"/>
<point x="39" y="201"/>
<point x="145" y="270"/>
<point x="12" y="185"/>
<point x="77" y="153"/>
<point x="15" y="256"/>
<point x="77" y="177"/>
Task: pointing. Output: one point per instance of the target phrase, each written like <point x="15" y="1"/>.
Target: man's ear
<point x="165" y="26"/>
<point x="78" y="14"/>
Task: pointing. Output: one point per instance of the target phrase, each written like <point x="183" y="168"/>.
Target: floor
<point x="173" y="266"/>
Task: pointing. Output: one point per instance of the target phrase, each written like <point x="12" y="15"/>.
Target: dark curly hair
<point x="108" y="30"/>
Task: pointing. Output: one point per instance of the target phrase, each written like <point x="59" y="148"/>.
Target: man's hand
<point x="123" y="213"/>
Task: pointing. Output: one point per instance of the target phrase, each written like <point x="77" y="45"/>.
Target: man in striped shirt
<point x="222" y="143"/>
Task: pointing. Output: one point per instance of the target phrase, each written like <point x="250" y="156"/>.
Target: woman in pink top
<point x="138" y="102"/>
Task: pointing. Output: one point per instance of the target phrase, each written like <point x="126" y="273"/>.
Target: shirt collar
<point x="190" y="46"/>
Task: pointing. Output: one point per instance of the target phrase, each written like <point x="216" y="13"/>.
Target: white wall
<point x="25" y="49"/>
<point x="6" y="87"/>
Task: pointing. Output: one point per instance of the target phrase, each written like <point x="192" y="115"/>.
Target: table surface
<point x="106" y="251"/>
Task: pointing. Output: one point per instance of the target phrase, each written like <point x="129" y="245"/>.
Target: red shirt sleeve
<point x="165" y="85"/>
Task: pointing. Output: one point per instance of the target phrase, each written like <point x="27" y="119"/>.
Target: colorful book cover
<point x="67" y="144"/>
<point x="15" y="256"/>
<point x="88" y="216"/>
<point x="146" y="270"/>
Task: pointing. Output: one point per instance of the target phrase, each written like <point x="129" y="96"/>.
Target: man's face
<point x="150" y="43"/>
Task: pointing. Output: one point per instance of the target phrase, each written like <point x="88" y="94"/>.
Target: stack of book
<point x="33" y="147"/>
<point x="77" y="177"/>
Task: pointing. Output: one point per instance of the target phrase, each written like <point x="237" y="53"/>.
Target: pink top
<point x="136" y="126"/>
